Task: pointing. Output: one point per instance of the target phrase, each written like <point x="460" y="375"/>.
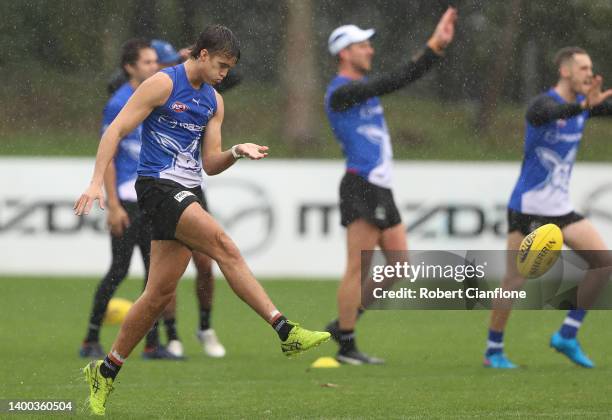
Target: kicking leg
<point x="199" y="231"/>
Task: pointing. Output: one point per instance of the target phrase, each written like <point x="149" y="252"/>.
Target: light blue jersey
<point x="172" y="134"/>
<point x="549" y="155"/>
<point x="126" y="158"/>
<point x="364" y="137"/>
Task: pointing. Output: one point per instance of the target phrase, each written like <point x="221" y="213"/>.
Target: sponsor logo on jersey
<point x="172" y="123"/>
<point x="182" y="195"/>
<point x="555" y="137"/>
<point x="178" y="107"/>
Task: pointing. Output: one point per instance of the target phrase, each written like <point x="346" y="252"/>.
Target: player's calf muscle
<point x="224" y="248"/>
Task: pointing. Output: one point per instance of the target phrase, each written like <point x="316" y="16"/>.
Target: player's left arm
<point x="214" y="159"/>
<point x="359" y="91"/>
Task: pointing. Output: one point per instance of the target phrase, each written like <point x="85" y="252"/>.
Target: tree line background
<point x="57" y="57"/>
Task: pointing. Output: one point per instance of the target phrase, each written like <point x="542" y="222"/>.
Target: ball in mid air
<point x="539" y="251"/>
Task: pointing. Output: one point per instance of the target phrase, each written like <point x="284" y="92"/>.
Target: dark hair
<point x="566" y="54"/>
<point x="217" y="39"/>
<point x="130" y="52"/>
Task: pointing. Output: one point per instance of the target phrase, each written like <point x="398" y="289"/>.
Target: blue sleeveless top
<point x="363" y="134"/>
<point x="172" y="134"/>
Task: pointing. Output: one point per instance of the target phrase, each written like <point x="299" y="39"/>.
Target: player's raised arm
<point x="151" y="93"/>
<point x="359" y="91"/>
<point x="545" y="109"/>
<point x="214" y="159"/>
<point x="445" y="31"/>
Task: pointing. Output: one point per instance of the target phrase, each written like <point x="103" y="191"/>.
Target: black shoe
<point x="159" y="353"/>
<point x="355" y="357"/>
<point x="92" y="350"/>
<point x="334" y="329"/>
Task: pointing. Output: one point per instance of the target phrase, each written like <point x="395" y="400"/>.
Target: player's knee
<point x="599" y="260"/>
<point x="107" y="289"/>
<point x="117" y="275"/>
<point x="204" y="276"/>
<point x="204" y="270"/>
<point x="158" y="299"/>
<point x="352" y="273"/>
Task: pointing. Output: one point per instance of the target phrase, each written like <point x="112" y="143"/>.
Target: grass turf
<point x="433" y="360"/>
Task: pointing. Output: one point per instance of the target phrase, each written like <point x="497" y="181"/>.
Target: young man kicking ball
<point x="555" y="122"/>
<point x="181" y="113"/>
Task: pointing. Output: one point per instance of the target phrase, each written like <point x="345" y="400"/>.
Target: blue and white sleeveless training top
<point x="364" y="137"/>
<point x="549" y="155"/>
<point x="172" y="133"/>
<point x="126" y="158"/>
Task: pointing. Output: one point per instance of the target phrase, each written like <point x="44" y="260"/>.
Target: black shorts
<point x="527" y="223"/>
<point x="360" y="199"/>
<point x="163" y="201"/>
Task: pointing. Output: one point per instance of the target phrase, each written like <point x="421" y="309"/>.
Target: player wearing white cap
<point x="367" y="208"/>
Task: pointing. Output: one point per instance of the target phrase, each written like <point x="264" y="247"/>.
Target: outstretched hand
<point x="595" y="96"/>
<point x="86" y="200"/>
<point x="252" y="151"/>
<point x="444" y="32"/>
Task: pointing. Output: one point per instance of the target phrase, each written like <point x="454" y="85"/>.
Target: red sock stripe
<point x="115" y="360"/>
<point x="273" y="320"/>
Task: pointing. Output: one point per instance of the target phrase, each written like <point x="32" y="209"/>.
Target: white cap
<point x="346" y="35"/>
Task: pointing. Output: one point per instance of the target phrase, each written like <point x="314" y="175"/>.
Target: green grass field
<point x="433" y="361"/>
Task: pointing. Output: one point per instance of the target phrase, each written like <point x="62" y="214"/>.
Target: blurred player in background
<point x="182" y="116"/>
<point x="128" y="226"/>
<point x="554" y="126"/>
<point x="367" y="207"/>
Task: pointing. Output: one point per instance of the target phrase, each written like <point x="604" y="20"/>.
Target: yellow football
<point x="116" y="311"/>
<point x="539" y="251"/>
